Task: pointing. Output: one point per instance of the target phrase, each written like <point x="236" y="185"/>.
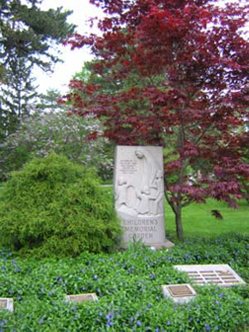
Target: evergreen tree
<point x="28" y="32"/>
<point x="28" y="38"/>
<point x="49" y="101"/>
<point x="16" y="96"/>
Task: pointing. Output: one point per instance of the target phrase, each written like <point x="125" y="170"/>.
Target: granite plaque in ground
<point x="181" y="293"/>
<point x="139" y="194"/>
<point x="219" y="274"/>
<point x="6" y="303"/>
<point x="82" y="297"/>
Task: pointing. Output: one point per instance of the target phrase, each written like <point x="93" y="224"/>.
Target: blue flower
<point x="41" y="320"/>
<point x="168" y="322"/>
<point x="152" y="275"/>
<point x="207" y="327"/>
<point x="148" y="307"/>
<point x="95" y="277"/>
<point x="109" y="316"/>
<point x="83" y="288"/>
<point x="139" y="323"/>
<point x="82" y="271"/>
<point x="3" y="322"/>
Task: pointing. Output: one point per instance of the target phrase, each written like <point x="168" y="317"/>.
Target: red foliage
<point x="192" y="62"/>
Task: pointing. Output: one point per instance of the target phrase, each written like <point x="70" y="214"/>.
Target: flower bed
<point x="128" y="286"/>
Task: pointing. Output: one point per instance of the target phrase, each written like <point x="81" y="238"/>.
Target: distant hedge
<point x="54" y="207"/>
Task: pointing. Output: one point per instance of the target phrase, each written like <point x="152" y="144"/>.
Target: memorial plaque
<point x="3" y="304"/>
<point x="82" y="297"/>
<point x="182" y="293"/>
<point x="139" y="194"/>
<point x="220" y="274"/>
<point x="6" y="303"/>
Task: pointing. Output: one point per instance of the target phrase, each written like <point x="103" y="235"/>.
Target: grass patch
<point x="198" y="220"/>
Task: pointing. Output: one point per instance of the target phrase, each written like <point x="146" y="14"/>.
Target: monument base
<point x="166" y="244"/>
<point x="157" y="246"/>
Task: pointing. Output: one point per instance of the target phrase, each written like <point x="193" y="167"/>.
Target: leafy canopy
<point x="181" y="68"/>
<point x="40" y="133"/>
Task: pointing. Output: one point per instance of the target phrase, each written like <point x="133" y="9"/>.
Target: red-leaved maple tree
<point x="176" y="74"/>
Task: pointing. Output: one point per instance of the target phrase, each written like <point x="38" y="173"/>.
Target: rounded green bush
<point x="54" y="207"/>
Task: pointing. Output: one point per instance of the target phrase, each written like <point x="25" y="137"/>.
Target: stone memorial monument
<point x="139" y="194"/>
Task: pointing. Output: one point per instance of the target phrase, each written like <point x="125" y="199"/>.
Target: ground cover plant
<point x="128" y="286"/>
<point x="55" y="207"/>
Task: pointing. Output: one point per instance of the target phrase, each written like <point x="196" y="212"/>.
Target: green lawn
<point x="198" y="220"/>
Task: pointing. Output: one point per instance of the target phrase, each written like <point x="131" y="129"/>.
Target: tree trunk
<point x="178" y="220"/>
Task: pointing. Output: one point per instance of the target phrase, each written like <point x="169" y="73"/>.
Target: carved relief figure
<point x="147" y="167"/>
<point x="143" y="193"/>
<point x="125" y="197"/>
<point x="121" y="193"/>
<point x="157" y="203"/>
<point x="144" y="197"/>
<point x="152" y="180"/>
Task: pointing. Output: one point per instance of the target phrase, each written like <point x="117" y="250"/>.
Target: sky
<point x="73" y="60"/>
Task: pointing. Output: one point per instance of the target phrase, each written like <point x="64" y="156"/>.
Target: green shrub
<point x="54" y="207"/>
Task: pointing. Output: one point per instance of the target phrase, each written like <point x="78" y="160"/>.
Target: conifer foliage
<point x="53" y="207"/>
<point x="28" y="38"/>
<point x="182" y="72"/>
